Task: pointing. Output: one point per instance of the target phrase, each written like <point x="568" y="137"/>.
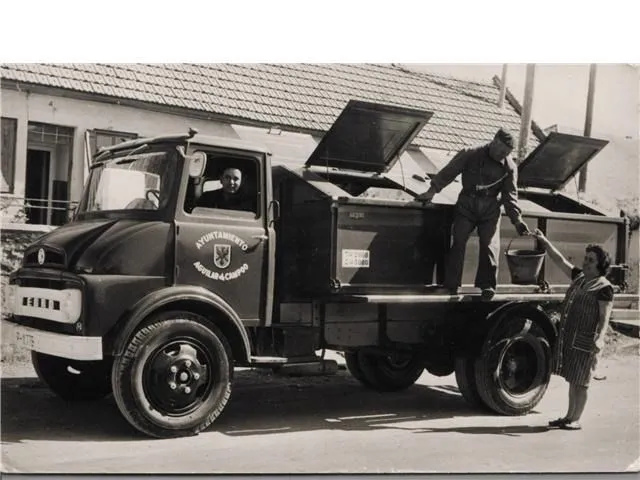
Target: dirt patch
<point x="618" y="344"/>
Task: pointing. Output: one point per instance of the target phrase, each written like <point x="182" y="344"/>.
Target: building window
<point x="107" y="138"/>
<point x="8" y="152"/>
<point x="47" y="173"/>
<point x="47" y="134"/>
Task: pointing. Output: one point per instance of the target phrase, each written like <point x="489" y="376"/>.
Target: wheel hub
<point x="177" y="377"/>
<point x="518" y="369"/>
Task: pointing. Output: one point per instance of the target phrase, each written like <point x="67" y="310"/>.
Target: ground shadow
<point x="261" y="403"/>
<point x="510" y="431"/>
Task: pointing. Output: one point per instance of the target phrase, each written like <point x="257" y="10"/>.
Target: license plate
<point x="25" y="340"/>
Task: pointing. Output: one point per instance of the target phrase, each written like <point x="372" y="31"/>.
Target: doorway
<point x="37" y="186"/>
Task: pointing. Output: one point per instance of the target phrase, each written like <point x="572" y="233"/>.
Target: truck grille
<point x="44" y="256"/>
<point x="46" y="300"/>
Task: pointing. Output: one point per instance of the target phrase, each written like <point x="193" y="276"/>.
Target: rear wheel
<point x="514" y="368"/>
<point x="174" y="378"/>
<point x="74" y="380"/>
<point x="465" y="377"/>
<point x="392" y="372"/>
<point x="353" y="365"/>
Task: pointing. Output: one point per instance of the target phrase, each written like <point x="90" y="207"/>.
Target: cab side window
<point x="229" y="184"/>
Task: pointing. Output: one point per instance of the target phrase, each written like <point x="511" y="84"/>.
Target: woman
<point x="585" y="316"/>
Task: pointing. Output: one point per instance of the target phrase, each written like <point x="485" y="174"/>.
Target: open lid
<point x="556" y="160"/>
<point x="368" y="137"/>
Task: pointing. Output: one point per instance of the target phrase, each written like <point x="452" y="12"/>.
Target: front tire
<point x="73" y="380"/>
<point x="174" y="378"/>
<point x="514" y="367"/>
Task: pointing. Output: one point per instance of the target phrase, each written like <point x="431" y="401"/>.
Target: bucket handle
<point x="512" y="239"/>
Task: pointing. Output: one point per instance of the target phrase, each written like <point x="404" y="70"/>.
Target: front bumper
<point x="58" y="344"/>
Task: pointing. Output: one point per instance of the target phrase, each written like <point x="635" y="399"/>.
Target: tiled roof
<point x="299" y="97"/>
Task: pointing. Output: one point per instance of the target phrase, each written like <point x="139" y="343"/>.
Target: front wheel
<point x="73" y="380"/>
<point x="514" y="368"/>
<point x="174" y="378"/>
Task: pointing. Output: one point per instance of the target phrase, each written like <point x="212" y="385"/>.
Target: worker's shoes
<point x="487" y="294"/>
<point x="558" y="422"/>
<point x="571" y="426"/>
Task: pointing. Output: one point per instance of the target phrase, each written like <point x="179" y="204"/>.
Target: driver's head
<point x="231" y="180"/>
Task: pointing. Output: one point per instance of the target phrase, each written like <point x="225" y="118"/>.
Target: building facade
<point x="54" y="117"/>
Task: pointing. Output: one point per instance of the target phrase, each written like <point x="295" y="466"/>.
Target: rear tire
<point x="514" y="367"/>
<point x="466" y="380"/>
<point x="174" y="378"/>
<point x="74" y="380"/>
<point x="353" y="365"/>
<point x="390" y="373"/>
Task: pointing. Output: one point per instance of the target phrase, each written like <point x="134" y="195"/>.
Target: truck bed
<point x="505" y="293"/>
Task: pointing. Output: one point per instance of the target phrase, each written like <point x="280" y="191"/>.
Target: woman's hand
<point x="540" y="237"/>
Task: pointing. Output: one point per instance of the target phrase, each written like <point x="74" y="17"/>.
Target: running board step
<point x="274" y="361"/>
<point x="297" y="367"/>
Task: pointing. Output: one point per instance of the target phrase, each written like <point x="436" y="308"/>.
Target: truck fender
<point x="478" y="331"/>
<point x="530" y="309"/>
<point x="155" y="301"/>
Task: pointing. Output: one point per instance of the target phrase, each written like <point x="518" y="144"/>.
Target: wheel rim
<point x="517" y="360"/>
<point x="519" y="367"/>
<point x="178" y="377"/>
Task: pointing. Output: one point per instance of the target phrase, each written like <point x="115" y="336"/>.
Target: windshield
<point x="135" y="182"/>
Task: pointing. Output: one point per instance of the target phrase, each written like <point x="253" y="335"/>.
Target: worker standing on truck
<point x="487" y="174"/>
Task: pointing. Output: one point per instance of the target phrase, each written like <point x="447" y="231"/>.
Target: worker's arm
<point x="554" y="253"/>
<point x="445" y="176"/>
<point x="509" y="195"/>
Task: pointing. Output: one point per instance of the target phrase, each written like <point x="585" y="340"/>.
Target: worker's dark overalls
<point x="478" y="206"/>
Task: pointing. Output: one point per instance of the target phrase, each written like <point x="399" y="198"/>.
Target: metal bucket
<point x="524" y="265"/>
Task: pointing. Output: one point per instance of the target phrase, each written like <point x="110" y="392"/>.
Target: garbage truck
<point x="155" y="296"/>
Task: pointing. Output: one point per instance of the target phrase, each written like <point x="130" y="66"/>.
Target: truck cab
<point x="190" y="255"/>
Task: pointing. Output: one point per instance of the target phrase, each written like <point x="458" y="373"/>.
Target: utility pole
<point x="503" y="86"/>
<point x="525" y="123"/>
<point x="582" y="177"/>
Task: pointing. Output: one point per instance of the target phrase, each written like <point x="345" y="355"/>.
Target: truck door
<point x="223" y="242"/>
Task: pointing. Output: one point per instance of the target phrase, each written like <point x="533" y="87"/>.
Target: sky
<point x="560" y="98"/>
<point x="560" y="93"/>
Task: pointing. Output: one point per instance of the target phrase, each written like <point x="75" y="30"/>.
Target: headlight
<point x="71" y="304"/>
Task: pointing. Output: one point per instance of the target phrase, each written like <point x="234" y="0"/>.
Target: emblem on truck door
<point x="221" y="255"/>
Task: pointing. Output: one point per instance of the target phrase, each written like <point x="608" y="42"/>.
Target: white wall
<point x="83" y="115"/>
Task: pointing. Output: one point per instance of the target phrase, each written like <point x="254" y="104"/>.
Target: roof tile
<point x="300" y="96"/>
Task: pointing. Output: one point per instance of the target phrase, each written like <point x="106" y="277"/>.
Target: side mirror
<point x="197" y="164"/>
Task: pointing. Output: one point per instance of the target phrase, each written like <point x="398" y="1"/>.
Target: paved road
<point x="329" y="425"/>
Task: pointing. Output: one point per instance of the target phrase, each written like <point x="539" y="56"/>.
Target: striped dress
<point x="576" y="355"/>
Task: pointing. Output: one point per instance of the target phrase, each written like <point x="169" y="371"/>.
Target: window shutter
<point x="8" y="152"/>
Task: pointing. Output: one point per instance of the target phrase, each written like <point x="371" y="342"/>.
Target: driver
<point x="231" y="196"/>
